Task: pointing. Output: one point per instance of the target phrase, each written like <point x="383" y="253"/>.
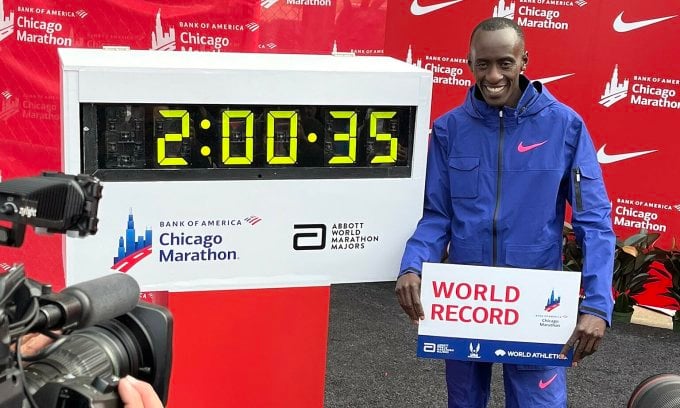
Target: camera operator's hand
<point x="138" y="394"/>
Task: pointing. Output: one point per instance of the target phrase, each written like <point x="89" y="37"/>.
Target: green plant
<point x="671" y="262"/>
<point x="632" y="260"/>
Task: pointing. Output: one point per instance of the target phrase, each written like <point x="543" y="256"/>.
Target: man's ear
<point x="525" y="61"/>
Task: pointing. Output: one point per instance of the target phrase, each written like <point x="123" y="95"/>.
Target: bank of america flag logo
<point x="503" y="10"/>
<point x="553" y="302"/>
<point x="253" y="26"/>
<point x="581" y="3"/>
<point x="614" y="90"/>
<point x="253" y="219"/>
<point x="161" y="40"/>
<point x="6" y="22"/>
<point x="131" y="248"/>
<point x="6" y="94"/>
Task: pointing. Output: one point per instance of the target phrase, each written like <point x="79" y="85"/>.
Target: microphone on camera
<point x="88" y="303"/>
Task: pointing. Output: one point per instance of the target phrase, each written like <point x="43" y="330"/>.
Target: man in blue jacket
<point x="500" y="171"/>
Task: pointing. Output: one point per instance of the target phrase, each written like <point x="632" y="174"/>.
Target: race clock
<point x="245" y="170"/>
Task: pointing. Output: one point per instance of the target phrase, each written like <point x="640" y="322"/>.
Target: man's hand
<point x="138" y="394"/>
<point x="586" y="337"/>
<point x="408" y="293"/>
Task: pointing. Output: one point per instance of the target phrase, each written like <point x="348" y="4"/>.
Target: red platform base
<point x="249" y="348"/>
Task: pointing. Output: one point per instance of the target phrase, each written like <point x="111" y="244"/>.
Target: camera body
<point x="105" y="331"/>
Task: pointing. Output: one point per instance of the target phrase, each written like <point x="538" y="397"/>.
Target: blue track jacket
<point x="496" y="189"/>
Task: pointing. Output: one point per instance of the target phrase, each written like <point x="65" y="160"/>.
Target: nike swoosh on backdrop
<point x="542" y="385"/>
<point x="418" y="10"/>
<point x="622" y="27"/>
<point x="605" y="158"/>
<point x="522" y="149"/>
<point x="552" y="78"/>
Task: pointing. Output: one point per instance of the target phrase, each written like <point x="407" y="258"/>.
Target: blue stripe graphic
<point x="493" y="351"/>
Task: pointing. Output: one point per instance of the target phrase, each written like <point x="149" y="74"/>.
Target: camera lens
<point x="658" y="391"/>
<point x="107" y="348"/>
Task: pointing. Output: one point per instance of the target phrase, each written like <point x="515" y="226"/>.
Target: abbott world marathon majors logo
<point x="196" y="35"/>
<point x="644" y="90"/>
<point x="446" y="70"/>
<point x="545" y="14"/>
<point x="340" y="236"/>
<point x="39" y="25"/>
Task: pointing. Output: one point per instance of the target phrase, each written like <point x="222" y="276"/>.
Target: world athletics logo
<point x="132" y="248"/>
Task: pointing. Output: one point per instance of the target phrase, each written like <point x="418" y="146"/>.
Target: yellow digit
<point x="383" y="137"/>
<point x="350" y="138"/>
<point x="226" y="137"/>
<point x="172" y="137"/>
<point x="292" y="153"/>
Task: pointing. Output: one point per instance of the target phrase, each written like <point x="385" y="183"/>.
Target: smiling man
<point x="501" y="169"/>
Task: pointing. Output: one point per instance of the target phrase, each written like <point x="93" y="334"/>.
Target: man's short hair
<point x="498" y="23"/>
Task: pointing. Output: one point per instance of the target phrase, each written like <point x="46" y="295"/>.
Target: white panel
<point x="367" y="221"/>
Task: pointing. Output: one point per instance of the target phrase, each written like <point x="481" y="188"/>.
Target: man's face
<point x="496" y="59"/>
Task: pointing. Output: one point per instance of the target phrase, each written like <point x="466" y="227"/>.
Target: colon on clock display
<point x="196" y="142"/>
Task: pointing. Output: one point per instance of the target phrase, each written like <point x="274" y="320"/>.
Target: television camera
<point x="100" y="330"/>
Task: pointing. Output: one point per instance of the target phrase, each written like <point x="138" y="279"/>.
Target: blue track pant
<point x="526" y="386"/>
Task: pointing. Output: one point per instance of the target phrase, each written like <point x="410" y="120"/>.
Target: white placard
<point x="521" y="316"/>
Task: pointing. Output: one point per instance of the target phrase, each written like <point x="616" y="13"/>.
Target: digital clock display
<point x="196" y="142"/>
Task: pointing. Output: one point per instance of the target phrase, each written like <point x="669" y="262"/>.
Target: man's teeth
<point x="494" y="89"/>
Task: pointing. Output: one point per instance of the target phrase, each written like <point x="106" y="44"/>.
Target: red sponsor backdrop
<point x="576" y="47"/>
<point x="613" y="62"/>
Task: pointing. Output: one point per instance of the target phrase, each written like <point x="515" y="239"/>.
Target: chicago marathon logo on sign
<point x="544" y="14"/>
<point x="447" y="70"/>
<point x="131" y="248"/>
<point x="196" y="35"/>
<point x="645" y="90"/>
<point x="39" y="25"/>
<point x="553" y="302"/>
<point x="162" y="40"/>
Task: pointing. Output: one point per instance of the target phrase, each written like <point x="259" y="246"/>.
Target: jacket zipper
<point x="577" y="189"/>
<point x="498" y="188"/>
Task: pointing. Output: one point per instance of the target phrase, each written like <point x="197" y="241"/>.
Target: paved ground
<point x="372" y="362"/>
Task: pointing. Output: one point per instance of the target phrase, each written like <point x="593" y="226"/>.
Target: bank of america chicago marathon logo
<point x="194" y="34"/>
<point x="37" y="25"/>
<point x="553" y="302"/>
<point x="9" y="105"/>
<point x="645" y="91"/>
<point x="447" y="69"/>
<point x="322" y="3"/>
<point x="6" y="22"/>
<point x="132" y="248"/>
<point x="536" y="13"/>
<point x="177" y="246"/>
